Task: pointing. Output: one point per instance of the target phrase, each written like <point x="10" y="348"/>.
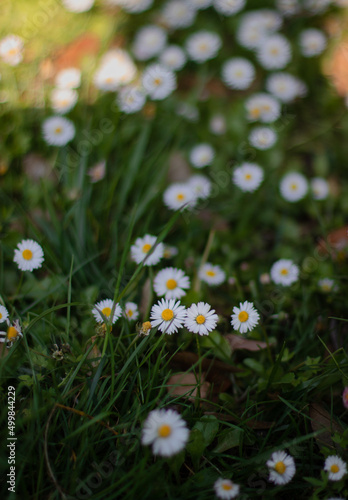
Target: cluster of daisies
<point x="167" y="433"/>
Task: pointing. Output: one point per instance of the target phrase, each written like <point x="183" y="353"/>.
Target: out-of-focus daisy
<point x="281" y="467"/>
<point x="245" y="317"/>
<point x="327" y="285"/>
<point x="211" y="274"/>
<point x="179" y="195"/>
<point x="131" y="311"/>
<point x="316" y="6"/>
<point x="29" y="255"/>
<point x="262" y="107"/>
<point x="217" y="125"/>
<point x="255" y="26"/>
<point x="58" y="130"/>
<point x="116" y="69"/>
<point x="187" y="111"/>
<point x="170" y="251"/>
<point x="200" y="318"/>
<point x="319" y="188"/>
<point x="3" y="314"/>
<point x="132" y="6"/>
<point x="130" y="99"/>
<point x="262" y="137"/>
<point x="97" y="172"/>
<point x="284" y="86"/>
<point x="149" y="42"/>
<point x="202" y="155"/>
<point x="288" y="7"/>
<point x="238" y="73"/>
<point x="68" y="78"/>
<point x="166" y="431"/>
<point x="203" y="45"/>
<point x="274" y="52"/>
<point x="102" y="311"/>
<point x="78" y="5"/>
<point x="312" y="42"/>
<point x="228" y="7"/>
<point x="284" y="272"/>
<point x="265" y="279"/>
<point x="11" y="48"/>
<point x="63" y="100"/>
<point x="345" y="397"/>
<point x="178" y="14"/>
<point x="158" y="81"/>
<point x="140" y="251"/>
<point x="248" y="176"/>
<point x="173" y="57"/>
<point x="13" y="333"/>
<point x="168" y="315"/>
<point x="171" y="283"/>
<point x="293" y="186"/>
<point x="226" y="489"/>
<point x="336" y="467"/>
<point x="200" y="185"/>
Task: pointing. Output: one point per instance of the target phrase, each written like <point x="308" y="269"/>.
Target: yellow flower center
<point x="0" y="315"/>
<point x="210" y="273"/>
<point x="27" y="254"/>
<point x="247" y="177"/>
<point x="106" y="311"/>
<point x="284" y="272"/>
<point x="334" y="468"/>
<point x="255" y="112"/>
<point x="226" y="486"/>
<point x="293" y="186"/>
<point x="280" y="467"/>
<point x="203" y="47"/>
<point x="171" y="284"/>
<point x="146" y="247"/>
<point x="274" y="51"/>
<point x="58" y="130"/>
<point x="109" y="79"/>
<point x="157" y="81"/>
<point x="130" y="313"/>
<point x="164" y="431"/>
<point x="243" y="316"/>
<point x="200" y="319"/>
<point x="180" y="197"/>
<point x="12" y="333"/>
<point x="167" y="314"/>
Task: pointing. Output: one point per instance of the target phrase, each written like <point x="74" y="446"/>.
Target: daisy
<point x="327" y="285"/>
<point x="3" y="314"/>
<point x="13" y="333"/>
<point x="226" y="489"/>
<point x="288" y="7"/>
<point x="68" y="78"/>
<point x="319" y="188"/>
<point x="173" y="57"/>
<point x="168" y="315"/>
<point x="29" y="255"/>
<point x="316" y="6"/>
<point x="262" y="107"/>
<point x="281" y="467"/>
<point x="130" y="99"/>
<point x="78" y="5"/>
<point x="312" y="42"/>
<point x="187" y="111"/>
<point x="144" y="329"/>
<point x="179" y="195"/>
<point x="63" y="100"/>
<point x="202" y="155"/>
<point x="131" y="311"/>
<point x="170" y="251"/>
<point x="200" y="318"/>
<point x="203" y="45"/>
<point x="228" y="7"/>
<point x="262" y="137"/>
<point x="251" y="32"/>
<point x="140" y="251"/>
<point x="200" y="185"/>
<point x="211" y="274"/>
<point x="158" y="81"/>
<point x="274" y="52"/>
<point x="58" y="131"/>
<point x="271" y="19"/>
<point x="238" y="73"/>
<point x="284" y="86"/>
<point x="217" y="125"/>
<point x="245" y="317"/>
<point x="102" y="311"/>
<point x="284" y="272"/>
<point x="132" y="6"/>
<point x="248" y="176"/>
<point x="171" y="283"/>
<point x="149" y="42"/>
<point x="166" y="431"/>
<point x="345" y="397"/>
<point x="97" y="172"/>
<point x="11" y="49"/>
<point x="178" y="14"/>
<point x="336" y="467"/>
<point x="116" y="69"/>
<point x="293" y="186"/>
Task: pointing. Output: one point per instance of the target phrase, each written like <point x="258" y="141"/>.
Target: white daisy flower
<point x="288" y="7"/>
<point x="187" y="111"/>
<point x="178" y="14"/>
<point x="58" y="131"/>
<point x="262" y="138"/>
<point x="202" y="155"/>
<point x="284" y="86"/>
<point x="11" y="48"/>
<point x="131" y="311"/>
<point x="293" y="187"/>
<point x="166" y="431"/>
<point x="316" y="6"/>
<point x="149" y="42"/>
<point x="248" y="176"/>
<point x="245" y="317"/>
<point x="262" y="107"/>
<point x="168" y="316"/>
<point x="78" y="5"/>
<point x="284" y="272"/>
<point x="171" y="283"/>
<point x="29" y="255"/>
<point x="68" y="78"/>
<point x="271" y="19"/>
<point x="226" y="489"/>
<point x="274" y="52"/>
<point x="132" y="6"/>
<point x="319" y="188"/>
<point x="173" y="57"/>
<point x="312" y="42"/>
<point x="203" y="45"/>
<point x="229" y="7"/>
<point x="63" y="100"/>
<point x="200" y="318"/>
<point x="201" y="4"/>
<point x="211" y="274"/>
<point x="102" y="311"/>
<point x="13" y="333"/>
<point x="336" y="467"/>
<point x="281" y="467"/>
<point x="327" y="285"/>
<point x="179" y="195"/>
<point x="200" y="185"/>
<point x="140" y="251"/>
<point x="158" y="81"/>
<point x="170" y="251"/>
<point x="250" y="32"/>
<point x="130" y="99"/>
<point x="3" y="314"/>
<point x="238" y="73"/>
<point x="116" y="69"/>
<point x="217" y="125"/>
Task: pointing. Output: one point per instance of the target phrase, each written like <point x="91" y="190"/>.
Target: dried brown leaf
<point x="321" y="419"/>
<point x="237" y="342"/>
<point x="185" y="384"/>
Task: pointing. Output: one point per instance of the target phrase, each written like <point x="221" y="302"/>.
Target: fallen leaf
<point x="179" y="169"/>
<point x="321" y="419"/>
<point x="185" y="384"/>
<point x="237" y="342"/>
